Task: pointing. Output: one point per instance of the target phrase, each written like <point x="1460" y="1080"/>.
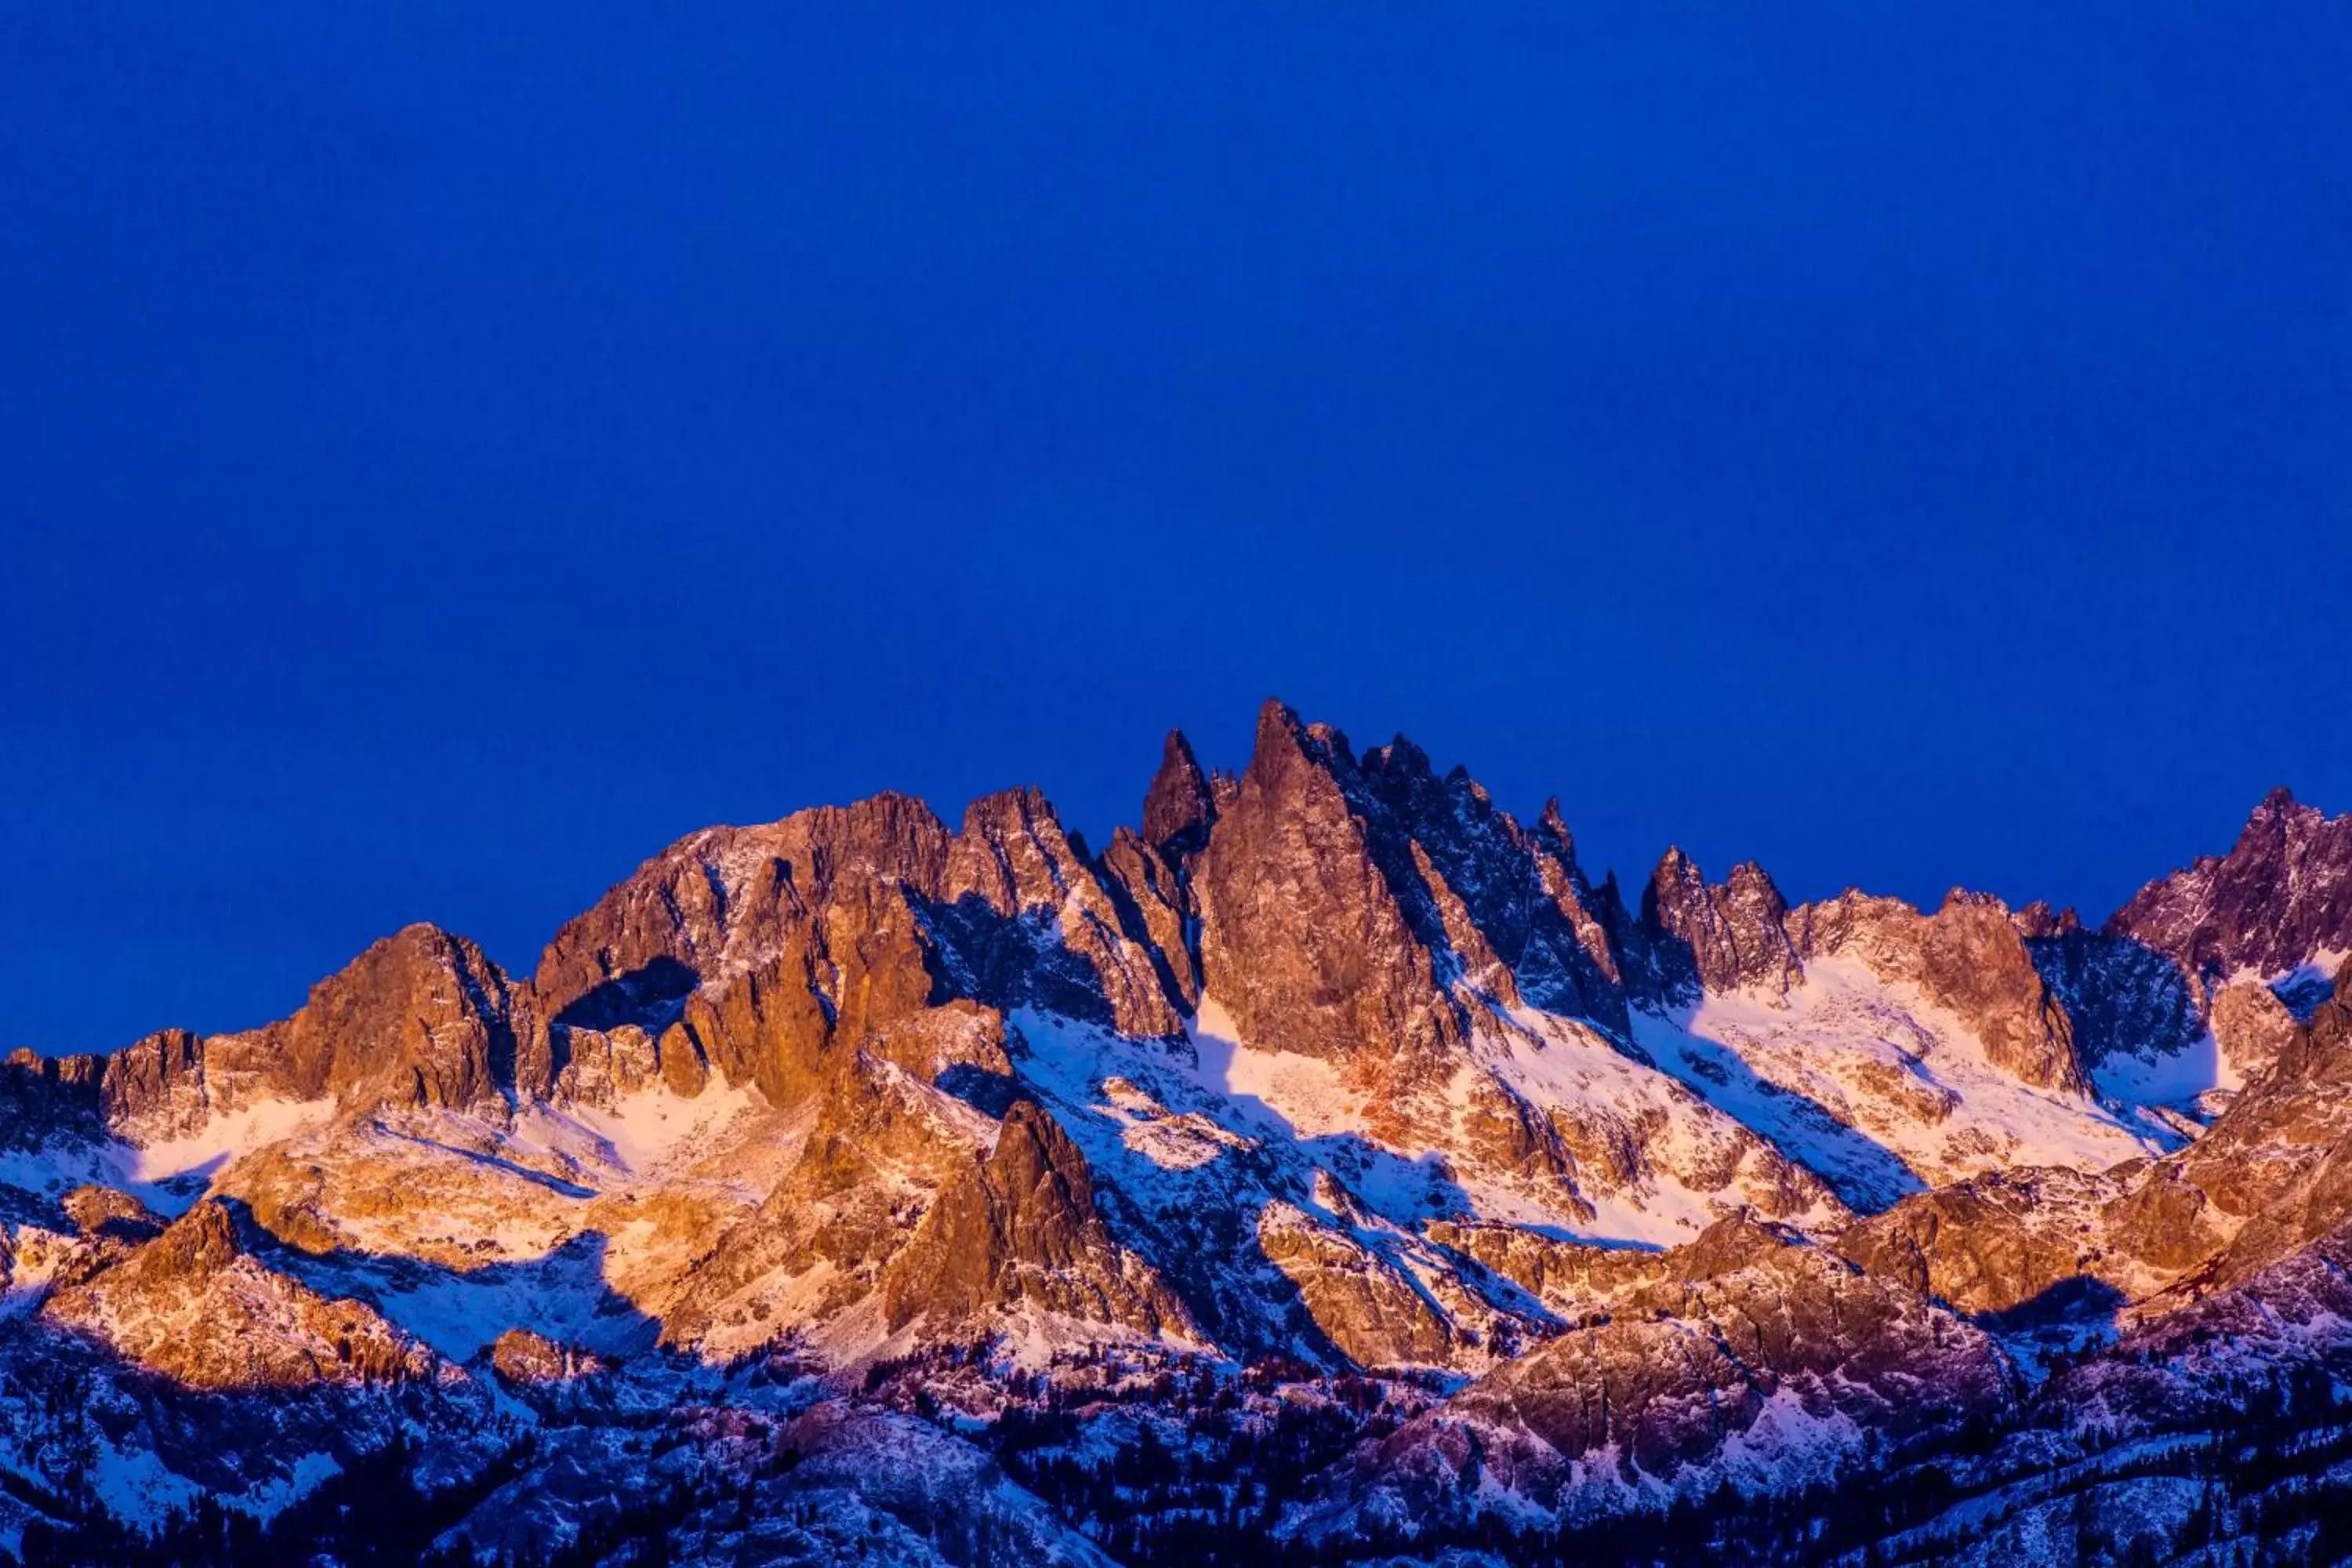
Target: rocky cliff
<point x="1332" y="1164"/>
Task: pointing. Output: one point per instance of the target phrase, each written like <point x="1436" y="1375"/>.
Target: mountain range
<point x="1327" y="1169"/>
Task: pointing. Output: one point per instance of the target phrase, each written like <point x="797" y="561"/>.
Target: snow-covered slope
<point x="1331" y="1165"/>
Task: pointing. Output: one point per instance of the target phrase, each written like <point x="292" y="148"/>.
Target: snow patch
<point x="1878" y="1090"/>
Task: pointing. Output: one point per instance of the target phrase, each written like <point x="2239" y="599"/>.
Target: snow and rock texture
<point x="2280" y="899"/>
<point x="1330" y="1165"/>
<point x="1751" y="1356"/>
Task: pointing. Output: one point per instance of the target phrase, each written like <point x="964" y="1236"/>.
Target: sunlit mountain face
<point x="1329" y="1169"/>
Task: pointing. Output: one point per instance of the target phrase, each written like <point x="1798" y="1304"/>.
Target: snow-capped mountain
<point x="1330" y="1168"/>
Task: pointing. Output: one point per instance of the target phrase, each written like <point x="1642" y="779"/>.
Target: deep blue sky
<point x="447" y="451"/>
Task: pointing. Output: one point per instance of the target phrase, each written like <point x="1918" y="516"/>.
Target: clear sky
<point x="448" y="450"/>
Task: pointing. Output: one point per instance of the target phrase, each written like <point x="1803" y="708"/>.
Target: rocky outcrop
<point x="105" y="1213"/>
<point x="1179" y="807"/>
<point x="1994" y="1244"/>
<point x="1304" y="940"/>
<point x="1968" y="958"/>
<point x="602" y="1067"/>
<point x="1155" y="909"/>
<point x="786" y="948"/>
<point x="421" y="1018"/>
<point x="1519" y="919"/>
<point x="1746" y="1322"/>
<point x="2281" y="898"/>
<point x="1366" y="1307"/>
<point x="193" y="1306"/>
<point x="1729" y="937"/>
<point x="884" y="1142"/>
<point x="2252" y="1027"/>
<point x="527" y="1360"/>
<point x="1571" y="1278"/>
<point x="1019" y="1228"/>
<point x="1034" y="925"/>
<point x="155" y="1088"/>
<point x="2275" y="1171"/>
<point x="1019" y="1231"/>
<point x="47" y="1098"/>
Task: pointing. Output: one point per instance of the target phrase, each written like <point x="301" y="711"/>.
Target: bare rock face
<point x="786" y="949"/>
<point x="193" y="1306"/>
<point x="2122" y="997"/>
<point x="1728" y="938"/>
<point x="2282" y="897"/>
<point x="421" y="1018"/>
<point x="2252" y="1027"/>
<point x="2276" y="1168"/>
<point x="1968" y="958"/>
<point x="883" y="1144"/>
<point x="1352" y="907"/>
<point x="1517" y="918"/>
<point x="1019" y="1229"/>
<point x="781" y="949"/>
<point x="1571" y="1278"/>
<point x="106" y="1214"/>
<point x="1046" y="931"/>
<point x="605" y="1067"/>
<point x="1179" y="807"/>
<point x="43" y="1097"/>
<point x="1992" y="1244"/>
<point x="529" y="1359"/>
<point x="1155" y="909"/>
<point x="1303" y="938"/>
<point x="1363" y="1305"/>
<point x="155" y="1088"/>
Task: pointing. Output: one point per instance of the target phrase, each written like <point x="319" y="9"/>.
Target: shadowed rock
<point x="1179" y="807"/>
<point x="2279" y="898"/>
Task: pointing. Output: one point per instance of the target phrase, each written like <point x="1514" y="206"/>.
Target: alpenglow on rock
<point x="1332" y="1167"/>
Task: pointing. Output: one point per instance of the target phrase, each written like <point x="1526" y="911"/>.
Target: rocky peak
<point x="200" y="1242"/>
<point x="193" y="1306"/>
<point x="784" y="947"/>
<point x="2038" y="920"/>
<point x="46" y="1097"/>
<point x="154" y="1087"/>
<point x="1716" y="937"/>
<point x="2279" y="899"/>
<point x="1019" y="1229"/>
<point x="1303" y="938"/>
<point x="723" y="901"/>
<point x="1047" y="931"/>
<point x="1513" y="907"/>
<point x="1552" y="827"/>
<point x="1179" y="807"/>
<point x="422" y="1017"/>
